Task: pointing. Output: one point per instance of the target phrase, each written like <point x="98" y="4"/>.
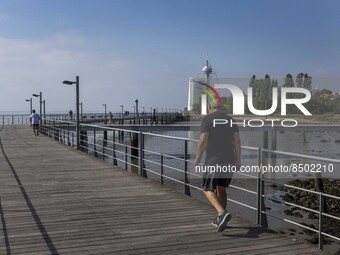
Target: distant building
<point x="194" y="94"/>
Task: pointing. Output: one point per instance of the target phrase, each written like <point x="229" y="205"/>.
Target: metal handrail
<point x="123" y="158"/>
<point x="302" y="156"/>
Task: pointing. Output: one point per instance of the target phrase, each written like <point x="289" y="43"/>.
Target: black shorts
<point x="35" y="125"/>
<point x="210" y="180"/>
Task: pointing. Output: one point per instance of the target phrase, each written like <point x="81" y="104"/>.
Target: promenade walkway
<point x="55" y="200"/>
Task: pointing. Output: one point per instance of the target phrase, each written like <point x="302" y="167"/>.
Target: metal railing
<point x="131" y="118"/>
<point x="126" y="148"/>
<point x="11" y="119"/>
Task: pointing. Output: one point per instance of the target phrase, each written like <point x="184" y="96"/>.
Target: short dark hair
<point x="33" y="111"/>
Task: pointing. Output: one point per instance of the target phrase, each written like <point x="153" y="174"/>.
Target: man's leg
<point x="213" y="199"/>
<point x="222" y="196"/>
<point x="222" y="215"/>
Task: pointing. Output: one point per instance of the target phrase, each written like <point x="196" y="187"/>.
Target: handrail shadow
<point x="4" y="230"/>
<point x="253" y="232"/>
<point x="34" y="213"/>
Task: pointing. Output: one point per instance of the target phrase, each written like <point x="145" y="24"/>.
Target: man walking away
<point x="35" y="122"/>
<point x="223" y="148"/>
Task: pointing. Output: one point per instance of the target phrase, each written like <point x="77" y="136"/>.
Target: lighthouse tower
<point x="207" y="70"/>
<point x="194" y="93"/>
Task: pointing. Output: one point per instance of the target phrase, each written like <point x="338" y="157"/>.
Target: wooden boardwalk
<point x="55" y="200"/>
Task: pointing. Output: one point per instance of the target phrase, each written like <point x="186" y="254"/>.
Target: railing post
<point x="126" y="164"/>
<point x="162" y="168"/>
<point x="186" y="181"/>
<point x="321" y="210"/>
<point x="62" y="136"/>
<point x="134" y="152"/>
<point x="81" y="140"/>
<point x="258" y="186"/>
<point x="94" y="142"/>
<point x="68" y="134"/>
<point x="263" y="216"/>
<point x="104" y="142"/>
<point x="141" y="154"/>
<point x="86" y="143"/>
<point x="114" y="148"/>
<point x="53" y="129"/>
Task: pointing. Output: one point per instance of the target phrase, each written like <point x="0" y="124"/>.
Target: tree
<point x="307" y="82"/>
<point x="337" y="107"/>
<point x="299" y="80"/>
<point x="262" y="91"/>
<point x="289" y="82"/>
<point x="227" y="104"/>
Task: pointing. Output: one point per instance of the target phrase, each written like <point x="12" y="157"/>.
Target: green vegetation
<point x="322" y="102"/>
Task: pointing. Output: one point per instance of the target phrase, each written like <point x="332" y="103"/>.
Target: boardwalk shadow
<point x="4" y="230"/>
<point x="253" y="232"/>
<point x="34" y="213"/>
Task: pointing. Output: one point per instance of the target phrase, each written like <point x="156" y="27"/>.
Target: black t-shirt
<point x="220" y="147"/>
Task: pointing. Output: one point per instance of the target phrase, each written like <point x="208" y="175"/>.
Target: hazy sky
<point x="148" y="49"/>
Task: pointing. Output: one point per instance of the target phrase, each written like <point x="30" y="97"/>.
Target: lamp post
<point x="77" y="107"/>
<point x="81" y="110"/>
<point x="29" y="100"/>
<point x="136" y="101"/>
<point x="104" y="113"/>
<point x="44" y="103"/>
<point x="40" y="103"/>
<point x="122" y="106"/>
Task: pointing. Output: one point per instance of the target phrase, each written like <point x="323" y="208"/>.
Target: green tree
<point x="262" y="91"/>
<point x="307" y="82"/>
<point x="299" y="80"/>
<point x="289" y="82"/>
<point x="337" y="107"/>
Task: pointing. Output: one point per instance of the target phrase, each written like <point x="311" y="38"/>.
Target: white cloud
<point x="30" y="66"/>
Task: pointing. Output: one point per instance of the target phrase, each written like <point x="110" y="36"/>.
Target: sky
<point x="148" y="49"/>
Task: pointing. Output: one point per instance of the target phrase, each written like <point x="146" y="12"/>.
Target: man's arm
<point x="202" y="142"/>
<point x="237" y="145"/>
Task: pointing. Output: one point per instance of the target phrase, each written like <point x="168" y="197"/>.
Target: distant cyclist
<point x="35" y="122"/>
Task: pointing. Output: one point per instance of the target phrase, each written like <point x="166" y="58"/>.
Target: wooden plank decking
<point x="55" y="200"/>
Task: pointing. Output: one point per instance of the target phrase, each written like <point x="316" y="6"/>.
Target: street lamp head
<point x="69" y="82"/>
<point x="27" y="100"/>
<point x="36" y="95"/>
